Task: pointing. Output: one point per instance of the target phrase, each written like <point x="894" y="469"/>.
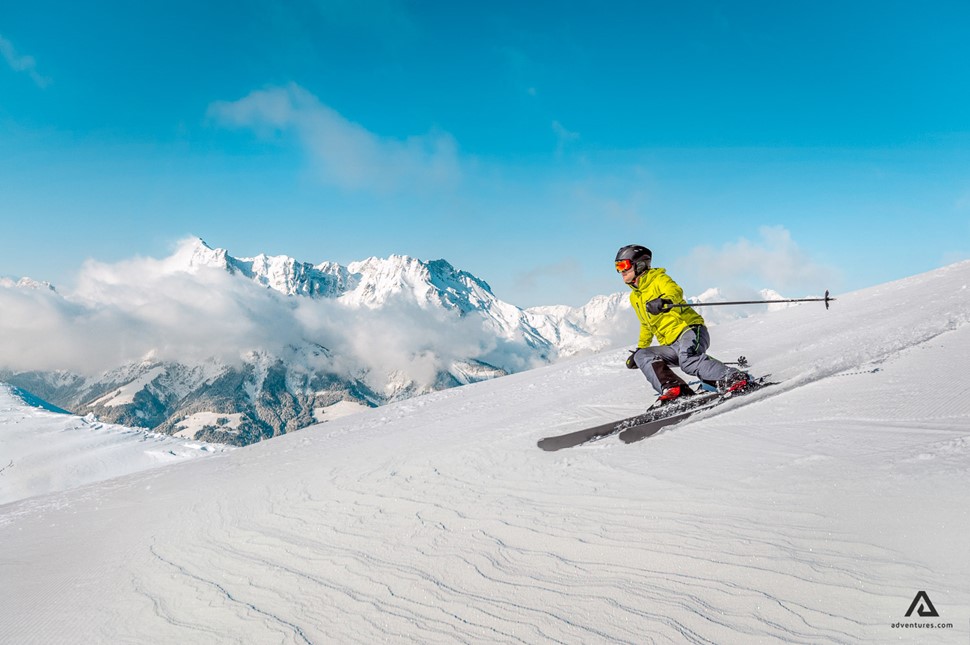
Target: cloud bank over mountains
<point x="193" y="305"/>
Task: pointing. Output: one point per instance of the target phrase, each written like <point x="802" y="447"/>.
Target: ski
<point x="586" y="435"/>
<point x="642" y="425"/>
<point x="649" y="428"/>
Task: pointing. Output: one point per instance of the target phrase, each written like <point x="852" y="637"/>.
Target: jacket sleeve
<point x="646" y="336"/>
<point x="670" y="289"/>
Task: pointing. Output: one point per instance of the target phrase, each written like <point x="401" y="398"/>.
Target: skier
<point x="682" y="337"/>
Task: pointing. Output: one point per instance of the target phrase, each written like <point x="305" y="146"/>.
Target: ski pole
<point x="827" y="299"/>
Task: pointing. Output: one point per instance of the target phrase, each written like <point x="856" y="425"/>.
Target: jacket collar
<point x="645" y="278"/>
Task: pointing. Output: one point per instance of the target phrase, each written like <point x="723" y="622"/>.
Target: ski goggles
<point x="623" y="265"/>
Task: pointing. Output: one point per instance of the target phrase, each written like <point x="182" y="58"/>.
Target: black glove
<point x="630" y="363"/>
<point x="659" y="306"/>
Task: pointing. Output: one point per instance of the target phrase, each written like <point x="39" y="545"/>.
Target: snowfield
<point x="810" y="512"/>
<point x="45" y="449"/>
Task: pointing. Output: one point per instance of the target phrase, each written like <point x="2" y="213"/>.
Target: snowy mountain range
<point x="240" y="349"/>
<point x="815" y="511"/>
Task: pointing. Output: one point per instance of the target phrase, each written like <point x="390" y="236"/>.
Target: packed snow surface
<point x="45" y="450"/>
<point x="810" y="512"/>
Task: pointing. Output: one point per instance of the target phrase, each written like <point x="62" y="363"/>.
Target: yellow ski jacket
<point x="667" y="326"/>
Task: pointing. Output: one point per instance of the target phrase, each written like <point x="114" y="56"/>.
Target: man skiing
<point x="681" y="335"/>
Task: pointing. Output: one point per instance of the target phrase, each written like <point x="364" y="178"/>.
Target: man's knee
<point x="644" y="357"/>
<point x="691" y="363"/>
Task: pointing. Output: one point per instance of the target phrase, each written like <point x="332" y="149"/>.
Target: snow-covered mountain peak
<point x="291" y="277"/>
<point x="26" y="283"/>
<point x="192" y="254"/>
<point x="448" y="278"/>
<point x="378" y="280"/>
<point x="372" y="282"/>
<point x="281" y="273"/>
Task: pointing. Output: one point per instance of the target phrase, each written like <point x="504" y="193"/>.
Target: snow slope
<point x="45" y="450"/>
<point x="813" y="512"/>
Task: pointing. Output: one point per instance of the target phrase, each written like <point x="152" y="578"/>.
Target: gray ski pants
<point x="689" y="353"/>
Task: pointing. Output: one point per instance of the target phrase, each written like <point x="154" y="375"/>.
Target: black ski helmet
<point x="639" y="256"/>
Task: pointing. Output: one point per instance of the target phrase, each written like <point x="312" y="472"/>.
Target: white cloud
<point x="345" y="153"/>
<point x="774" y="261"/>
<point x="21" y="63"/>
<point x="126" y="311"/>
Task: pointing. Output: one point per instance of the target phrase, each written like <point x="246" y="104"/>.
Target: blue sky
<point x="797" y="145"/>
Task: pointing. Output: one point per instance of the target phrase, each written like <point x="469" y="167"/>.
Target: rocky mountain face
<point x="368" y="333"/>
